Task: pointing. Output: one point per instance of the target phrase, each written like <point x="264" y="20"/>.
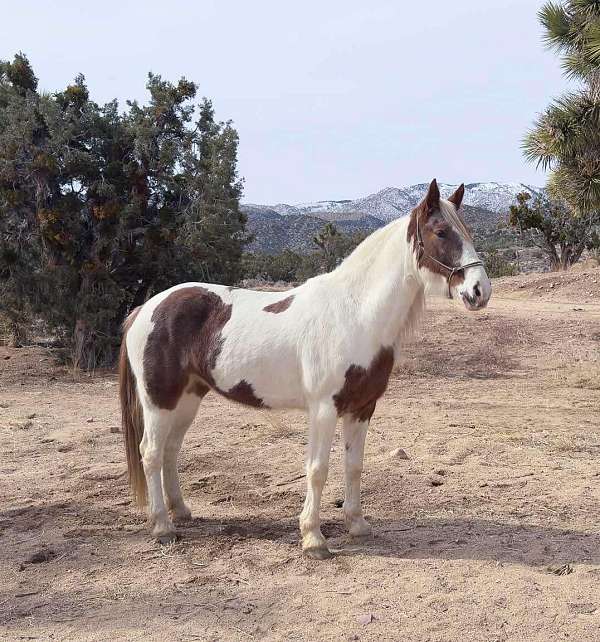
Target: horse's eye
<point x="441" y="234"/>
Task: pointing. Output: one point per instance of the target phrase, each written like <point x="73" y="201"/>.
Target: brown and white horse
<point x="327" y="346"/>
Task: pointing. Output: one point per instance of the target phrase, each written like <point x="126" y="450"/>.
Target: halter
<point x="452" y="270"/>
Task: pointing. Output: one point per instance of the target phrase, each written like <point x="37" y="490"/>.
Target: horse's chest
<point x="363" y="386"/>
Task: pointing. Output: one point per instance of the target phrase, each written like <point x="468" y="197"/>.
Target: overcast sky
<point x="332" y="99"/>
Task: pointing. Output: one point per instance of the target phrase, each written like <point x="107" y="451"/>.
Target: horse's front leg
<point x="322" y="421"/>
<point x="355" y="432"/>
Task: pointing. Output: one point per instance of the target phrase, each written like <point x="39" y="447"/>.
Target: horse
<point x="327" y="346"/>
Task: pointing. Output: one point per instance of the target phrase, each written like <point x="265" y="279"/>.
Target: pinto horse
<point x="327" y="346"/>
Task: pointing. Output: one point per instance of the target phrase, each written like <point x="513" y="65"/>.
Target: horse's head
<point x="445" y="254"/>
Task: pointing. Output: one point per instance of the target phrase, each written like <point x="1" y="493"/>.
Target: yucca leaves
<point x="565" y="138"/>
<point x="556" y="20"/>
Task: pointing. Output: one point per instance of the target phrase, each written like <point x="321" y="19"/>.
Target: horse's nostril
<point x="476" y="290"/>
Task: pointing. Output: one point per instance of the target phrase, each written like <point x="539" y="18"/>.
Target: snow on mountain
<point x="309" y="208"/>
<point x="392" y="202"/>
<point x="497" y="197"/>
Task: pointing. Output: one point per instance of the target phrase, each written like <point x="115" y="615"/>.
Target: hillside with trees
<point x="103" y="205"/>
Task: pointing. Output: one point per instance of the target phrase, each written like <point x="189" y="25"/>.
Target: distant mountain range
<point x="281" y="226"/>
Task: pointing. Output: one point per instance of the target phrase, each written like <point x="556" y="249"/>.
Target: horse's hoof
<point x="360" y="529"/>
<point x="322" y="553"/>
<point x="167" y="538"/>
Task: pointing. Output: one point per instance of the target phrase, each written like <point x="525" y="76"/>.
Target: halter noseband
<point x="451" y="270"/>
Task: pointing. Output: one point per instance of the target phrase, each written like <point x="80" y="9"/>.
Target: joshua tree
<point x="566" y="137"/>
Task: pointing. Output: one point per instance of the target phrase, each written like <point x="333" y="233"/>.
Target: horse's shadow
<point x="431" y="538"/>
<point x="459" y="538"/>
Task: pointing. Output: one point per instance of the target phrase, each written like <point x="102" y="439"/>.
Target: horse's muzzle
<point x="476" y="299"/>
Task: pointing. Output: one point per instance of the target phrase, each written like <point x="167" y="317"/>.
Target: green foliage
<point x="497" y="265"/>
<point x="327" y="241"/>
<point x="273" y="267"/>
<point x="551" y="226"/>
<point x="290" y="266"/>
<point x="214" y="229"/>
<point x="335" y="247"/>
<point x="19" y="74"/>
<point x="572" y="28"/>
<point x="566" y="137"/>
<point x="100" y="209"/>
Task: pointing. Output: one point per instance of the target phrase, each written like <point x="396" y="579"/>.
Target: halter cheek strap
<point x="451" y="270"/>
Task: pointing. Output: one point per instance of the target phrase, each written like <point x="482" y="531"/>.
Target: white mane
<point x="370" y="249"/>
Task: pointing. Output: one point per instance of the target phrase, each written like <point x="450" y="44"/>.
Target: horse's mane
<point x="366" y="251"/>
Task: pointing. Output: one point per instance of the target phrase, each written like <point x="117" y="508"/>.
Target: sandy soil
<point x="488" y="531"/>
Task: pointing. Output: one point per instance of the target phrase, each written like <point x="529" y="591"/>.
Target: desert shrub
<point x="497" y="265"/>
<point x="550" y="224"/>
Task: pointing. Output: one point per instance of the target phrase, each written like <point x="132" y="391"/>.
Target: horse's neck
<point x="382" y="277"/>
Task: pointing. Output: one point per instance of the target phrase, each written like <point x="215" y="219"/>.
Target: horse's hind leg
<point x="157" y="425"/>
<point x="184" y="416"/>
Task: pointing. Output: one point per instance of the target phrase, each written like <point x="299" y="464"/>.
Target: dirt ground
<point x="489" y="530"/>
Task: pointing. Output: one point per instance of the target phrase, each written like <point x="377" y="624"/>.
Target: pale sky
<point x="332" y="99"/>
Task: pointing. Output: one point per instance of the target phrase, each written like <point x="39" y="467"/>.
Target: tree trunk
<point x="555" y="265"/>
<point x="565" y="258"/>
<point x="84" y="354"/>
<point x="577" y="252"/>
<point x="552" y="254"/>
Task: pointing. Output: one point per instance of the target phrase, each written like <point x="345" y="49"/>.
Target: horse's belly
<point x="260" y="379"/>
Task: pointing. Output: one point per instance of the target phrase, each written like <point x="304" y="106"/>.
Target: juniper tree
<point x="21" y="190"/>
<point x="93" y="203"/>
<point x="335" y="247"/>
<point x="214" y="231"/>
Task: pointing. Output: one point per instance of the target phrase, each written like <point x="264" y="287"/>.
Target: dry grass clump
<point x="6" y="335"/>
<point x="434" y="352"/>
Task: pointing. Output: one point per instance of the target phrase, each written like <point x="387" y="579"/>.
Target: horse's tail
<point x="132" y="419"/>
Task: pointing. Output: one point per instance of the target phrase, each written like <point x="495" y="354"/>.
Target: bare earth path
<point x="489" y="531"/>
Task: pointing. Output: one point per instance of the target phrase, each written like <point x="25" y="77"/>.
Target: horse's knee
<point x="316" y="473"/>
<point x="152" y="460"/>
<point x="354" y="469"/>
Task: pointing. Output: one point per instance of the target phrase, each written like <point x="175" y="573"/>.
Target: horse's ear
<point x="432" y="198"/>
<point x="457" y="197"/>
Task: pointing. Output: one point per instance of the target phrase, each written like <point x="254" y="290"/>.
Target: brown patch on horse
<point x="279" y="306"/>
<point x="184" y="345"/>
<point x="186" y="340"/>
<point x="363" y="386"/>
<point x="243" y="392"/>
<point x="198" y="388"/>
